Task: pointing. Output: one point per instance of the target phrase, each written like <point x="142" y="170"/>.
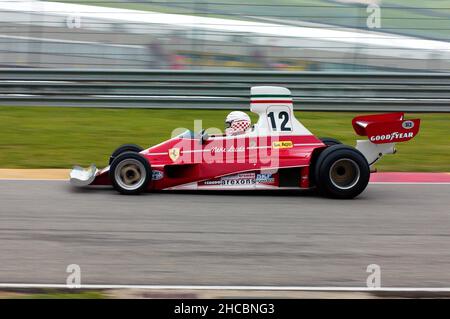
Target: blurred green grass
<point x="56" y="294"/>
<point x="52" y="137"/>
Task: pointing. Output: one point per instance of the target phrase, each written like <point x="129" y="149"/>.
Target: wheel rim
<point x="344" y="173"/>
<point x="130" y="174"/>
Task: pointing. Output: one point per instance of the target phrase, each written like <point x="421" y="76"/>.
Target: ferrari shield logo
<point x="174" y="153"/>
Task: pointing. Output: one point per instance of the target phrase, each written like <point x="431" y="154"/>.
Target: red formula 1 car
<point x="278" y="152"/>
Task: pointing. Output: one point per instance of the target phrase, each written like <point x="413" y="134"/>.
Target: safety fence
<point x="380" y="91"/>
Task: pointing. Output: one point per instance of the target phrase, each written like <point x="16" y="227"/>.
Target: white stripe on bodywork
<point x="249" y="148"/>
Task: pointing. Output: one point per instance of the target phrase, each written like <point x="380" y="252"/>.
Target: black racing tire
<point x="329" y="141"/>
<point x="130" y="173"/>
<point x="341" y="171"/>
<point x="125" y="148"/>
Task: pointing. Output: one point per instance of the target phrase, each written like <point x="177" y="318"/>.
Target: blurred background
<point x="101" y="73"/>
<point x="282" y="35"/>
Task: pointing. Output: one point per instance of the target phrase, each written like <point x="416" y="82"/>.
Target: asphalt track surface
<point x="267" y="238"/>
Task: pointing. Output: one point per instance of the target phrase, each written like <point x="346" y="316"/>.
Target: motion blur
<point x="286" y="35"/>
<point x="217" y="215"/>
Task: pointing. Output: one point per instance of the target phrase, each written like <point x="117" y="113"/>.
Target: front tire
<point x="130" y="173"/>
<point x="124" y="148"/>
<point x="341" y="171"/>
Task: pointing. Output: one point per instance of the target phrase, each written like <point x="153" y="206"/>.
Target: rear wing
<point x="386" y="128"/>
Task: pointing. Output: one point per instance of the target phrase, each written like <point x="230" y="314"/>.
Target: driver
<point x="237" y="123"/>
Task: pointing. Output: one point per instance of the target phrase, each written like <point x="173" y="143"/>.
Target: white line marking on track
<point x="218" y="287"/>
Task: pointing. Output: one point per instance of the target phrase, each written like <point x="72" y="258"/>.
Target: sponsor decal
<point x="241" y="175"/>
<point x="242" y="179"/>
<point x="265" y="178"/>
<point x="211" y="182"/>
<point x="236" y="182"/>
<point x="238" y="179"/>
<point x="283" y="144"/>
<point x="174" y="153"/>
<point x="231" y="180"/>
<point x="391" y="136"/>
<point x="229" y="149"/>
<point x="157" y="175"/>
<point x="408" y="125"/>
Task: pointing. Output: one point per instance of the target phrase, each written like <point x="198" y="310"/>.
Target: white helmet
<point x="236" y="123"/>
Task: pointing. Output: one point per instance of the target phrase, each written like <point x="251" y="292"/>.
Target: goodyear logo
<point x="282" y="144"/>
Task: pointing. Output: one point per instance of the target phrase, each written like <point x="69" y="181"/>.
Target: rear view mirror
<point x="203" y="137"/>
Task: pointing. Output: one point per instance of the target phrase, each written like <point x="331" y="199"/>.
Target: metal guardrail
<point x="413" y="92"/>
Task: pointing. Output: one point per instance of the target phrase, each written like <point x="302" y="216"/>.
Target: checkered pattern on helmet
<point x="239" y="127"/>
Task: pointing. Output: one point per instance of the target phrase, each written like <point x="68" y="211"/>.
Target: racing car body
<point x="277" y="153"/>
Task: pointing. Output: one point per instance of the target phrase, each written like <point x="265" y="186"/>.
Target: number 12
<point x="282" y="116"/>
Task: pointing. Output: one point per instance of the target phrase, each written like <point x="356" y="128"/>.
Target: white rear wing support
<point x="373" y="152"/>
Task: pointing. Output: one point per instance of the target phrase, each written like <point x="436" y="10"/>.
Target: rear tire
<point x="329" y="141"/>
<point x="341" y="171"/>
<point x="125" y="148"/>
<point x="130" y="173"/>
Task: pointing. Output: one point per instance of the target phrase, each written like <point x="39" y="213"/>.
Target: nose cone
<point x="82" y="177"/>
